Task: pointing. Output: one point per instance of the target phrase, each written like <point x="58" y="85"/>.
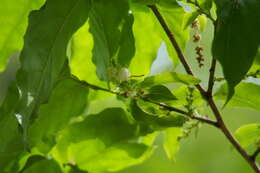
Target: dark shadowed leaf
<point x="237" y="38"/>
<point x="155" y="122"/>
<point x="42" y="165"/>
<point x="111" y="26"/>
<point x="67" y="101"/>
<point x="160" y="93"/>
<point x="44" y="52"/>
<point x="11" y="140"/>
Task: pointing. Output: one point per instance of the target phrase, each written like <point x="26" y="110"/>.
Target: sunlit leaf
<point x="174" y="15"/>
<point x="171" y="77"/>
<point x="171" y="142"/>
<point x="248" y="134"/>
<point x="246" y="95"/>
<point x="104" y="142"/>
<point x="13" y="22"/>
<point x="147" y="41"/>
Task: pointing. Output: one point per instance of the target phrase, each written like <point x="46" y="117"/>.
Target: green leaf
<point x="11" y="140"/>
<point x="75" y="169"/>
<point x="160" y="93"/>
<point x="13" y="22"/>
<point x="237" y="38"/>
<point x="181" y="94"/>
<point x="171" y="141"/>
<point x="42" y="165"/>
<point x="103" y="142"/>
<point x="147" y="40"/>
<point x="44" y="52"/>
<point x="205" y="4"/>
<point x="248" y="134"/>
<point x="189" y="18"/>
<point x="111" y="26"/>
<point x="171" y="77"/>
<point x="154" y="122"/>
<point x="145" y="2"/>
<point x="81" y="53"/>
<point x="113" y="158"/>
<point x="174" y="16"/>
<point x="68" y="100"/>
<point x="246" y="95"/>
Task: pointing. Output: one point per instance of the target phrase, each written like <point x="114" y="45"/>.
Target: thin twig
<point x="175" y="45"/>
<point x="212" y="75"/>
<point x="255" y="154"/>
<point x="230" y="137"/>
<point x="94" y="87"/>
<point x="165" y="106"/>
<point x="205" y="94"/>
<point x="171" y="108"/>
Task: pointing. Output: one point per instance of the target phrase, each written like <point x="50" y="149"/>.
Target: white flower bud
<point x="123" y="74"/>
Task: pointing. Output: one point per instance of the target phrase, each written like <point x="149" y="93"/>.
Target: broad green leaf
<point x="103" y="142"/>
<point x="171" y="141"/>
<point x="174" y="16"/>
<point x="11" y="140"/>
<point x="68" y="100"/>
<point x="159" y="93"/>
<point x="155" y="122"/>
<point x="44" y="52"/>
<point x="237" y="38"/>
<point x="81" y="47"/>
<point x="81" y="64"/>
<point x="248" y="134"/>
<point x="113" y="158"/>
<point x="147" y="40"/>
<point x="171" y="77"/>
<point x="13" y="22"/>
<point x="111" y="27"/>
<point x="246" y="95"/>
<point x="42" y="165"/>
